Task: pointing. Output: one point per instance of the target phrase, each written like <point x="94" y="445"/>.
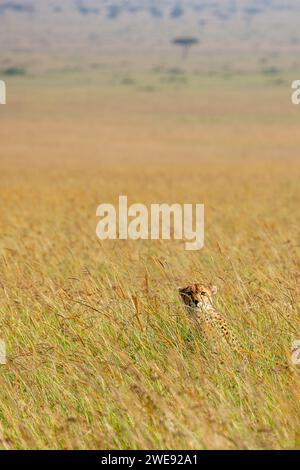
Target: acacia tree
<point x="186" y="42"/>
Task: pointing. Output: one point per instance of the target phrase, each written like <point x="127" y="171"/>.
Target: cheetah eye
<point x="203" y="293"/>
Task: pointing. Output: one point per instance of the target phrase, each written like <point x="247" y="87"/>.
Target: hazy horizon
<point x="93" y="32"/>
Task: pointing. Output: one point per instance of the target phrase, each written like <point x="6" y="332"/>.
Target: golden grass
<point x="100" y="352"/>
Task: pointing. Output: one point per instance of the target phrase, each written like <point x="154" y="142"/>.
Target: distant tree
<point x="176" y="12"/>
<point x="186" y="42"/>
<point x="113" y="11"/>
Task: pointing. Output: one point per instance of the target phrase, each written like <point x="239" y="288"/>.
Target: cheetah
<point x="199" y="304"/>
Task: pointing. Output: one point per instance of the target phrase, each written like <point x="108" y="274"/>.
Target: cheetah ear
<point x="181" y="289"/>
<point x="214" y="290"/>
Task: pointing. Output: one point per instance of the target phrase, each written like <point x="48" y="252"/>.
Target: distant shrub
<point x="14" y="71"/>
<point x="175" y="71"/>
<point x="127" y="81"/>
<point x="88" y="11"/>
<point x="270" y="71"/>
<point x="17" y="7"/>
<point x="176" y="12"/>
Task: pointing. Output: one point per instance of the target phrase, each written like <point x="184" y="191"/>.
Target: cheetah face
<point x="197" y="296"/>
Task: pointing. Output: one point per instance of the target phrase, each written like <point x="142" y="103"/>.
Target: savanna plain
<point x="100" y="352"/>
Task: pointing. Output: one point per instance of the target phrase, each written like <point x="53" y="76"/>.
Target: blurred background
<point x="233" y="36"/>
<point x="103" y="80"/>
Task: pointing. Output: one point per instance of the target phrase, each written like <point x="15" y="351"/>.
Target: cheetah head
<point x="197" y="296"/>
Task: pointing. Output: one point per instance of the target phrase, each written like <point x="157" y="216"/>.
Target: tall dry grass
<point x="100" y="351"/>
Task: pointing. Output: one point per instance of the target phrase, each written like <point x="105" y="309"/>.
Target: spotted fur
<point x="199" y="304"/>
